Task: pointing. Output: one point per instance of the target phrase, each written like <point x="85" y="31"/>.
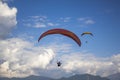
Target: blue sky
<point x="29" y="19"/>
<point x="104" y="17"/>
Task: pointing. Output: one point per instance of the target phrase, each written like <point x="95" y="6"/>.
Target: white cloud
<point x="81" y="19"/>
<point x="38" y="22"/>
<point x="85" y="21"/>
<point x="39" y="25"/>
<point x="52" y="24"/>
<point x="116" y="61"/>
<point x="17" y="55"/>
<point x="89" y="21"/>
<point x="81" y="63"/>
<point x="66" y="19"/>
<point x="7" y="19"/>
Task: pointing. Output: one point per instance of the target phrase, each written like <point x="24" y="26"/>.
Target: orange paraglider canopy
<point x="62" y="32"/>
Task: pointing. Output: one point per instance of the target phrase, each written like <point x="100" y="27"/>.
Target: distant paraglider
<point x="86" y="33"/>
<point x="62" y="32"/>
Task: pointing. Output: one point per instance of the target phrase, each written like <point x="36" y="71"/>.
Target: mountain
<point x="27" y="78"/>
<point x="114" y="76"/>
<point x="75" y="77"/>
<point x="84" y="77"/>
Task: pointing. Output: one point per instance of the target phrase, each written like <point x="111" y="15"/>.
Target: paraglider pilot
<point x="59" y="63"/>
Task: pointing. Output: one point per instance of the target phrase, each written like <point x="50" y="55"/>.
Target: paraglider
<point x="86" y="33"/>
<point x="59" y="63"/>
<point x="62" y="32"/>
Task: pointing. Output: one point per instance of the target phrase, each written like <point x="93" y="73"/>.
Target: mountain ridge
<point x="74" y="77"/>
<point x="115" y="76"/>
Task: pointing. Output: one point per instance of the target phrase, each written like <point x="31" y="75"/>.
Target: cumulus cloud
<point x="81" y="63"/>
<point x="7" y="19"/>
<point x="20" y="58"/>
<point x="116" y="61"/>
<point x="84" y="63"/>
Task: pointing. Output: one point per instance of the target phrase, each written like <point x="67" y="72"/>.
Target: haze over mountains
<point x="75" y="77"/>
<point x="114" y="76"/>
